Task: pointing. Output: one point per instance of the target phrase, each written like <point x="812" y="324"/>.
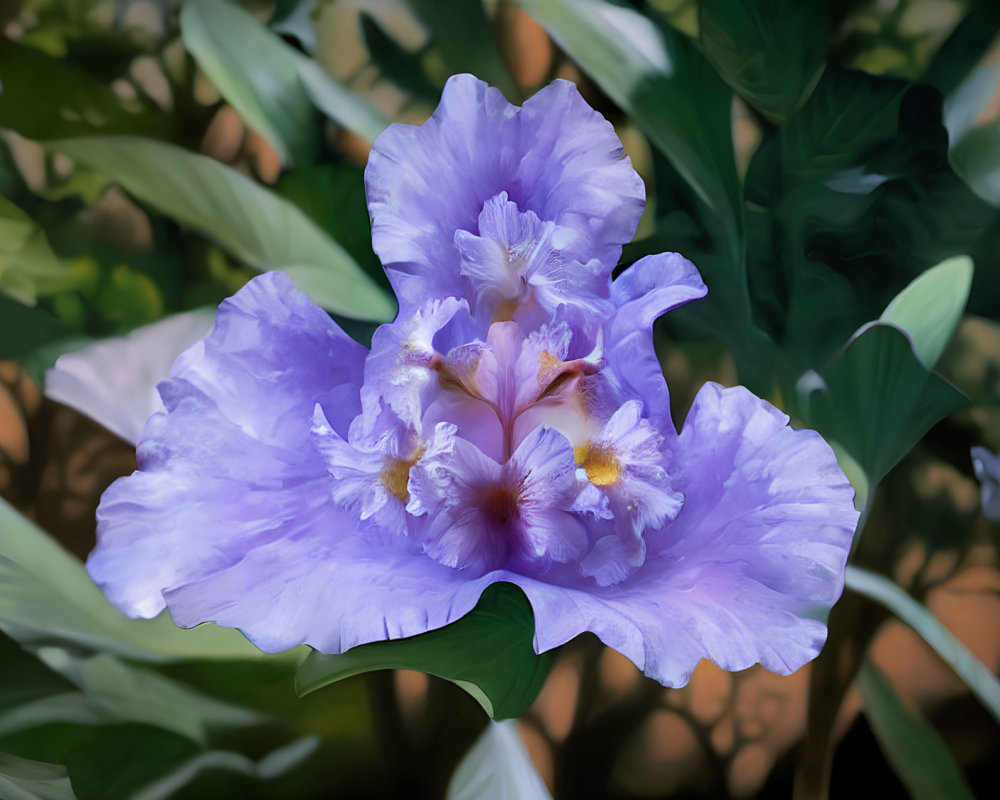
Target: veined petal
<point x="555" y="157"/>
<point x="747" y="571"/>
<point x="216" y="467"/>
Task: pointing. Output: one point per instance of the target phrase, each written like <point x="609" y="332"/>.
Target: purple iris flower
<point x="512" y="424"/>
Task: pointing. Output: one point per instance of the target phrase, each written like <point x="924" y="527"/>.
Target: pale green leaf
<point x="46" y="596"/>
<point x="255" y="225"/>
<point x="981" y="682"/>
<point x="23" y="779"/>
<point x="929" y="309"/>
<point x="497" y="768"/>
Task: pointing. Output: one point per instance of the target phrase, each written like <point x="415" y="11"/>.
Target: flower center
<point x="600" y="463"/>
<point x="501" y="504"/>
<point x="395" y="475"/>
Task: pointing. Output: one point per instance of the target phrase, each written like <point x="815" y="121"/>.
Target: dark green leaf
<point x="876" y="399"/>
<point x="22" y="329"/>
<point x="772" y="52"/>
<point x="847" y="203"/>
<point x="75" y="104"/>
<point x="913" y="748"/>
<point x="250" y="221"/>
<point x="964" y="47"/>
<point x="488" y="653"/>
<point x="400" y="66"/>
<point x="462" y="31"/>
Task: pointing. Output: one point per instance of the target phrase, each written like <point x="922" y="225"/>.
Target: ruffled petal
<point x="555" y="157"/>
<point x="748" y="570"/>
<point x="230" y="465"/>
<point x="650" y="287"/>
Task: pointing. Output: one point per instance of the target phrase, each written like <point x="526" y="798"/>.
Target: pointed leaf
<point x="249" y="221"/>
<point x="23" y="779"/>
<point x="928" y="310"/>
<point x="981" y="682"/>
<point x="913" y="748"/>
<point x="270" y="84"/>
<point x="772" y="52"/>
<point x="488" y="652"/>
<point x="497" y="768"/>
<point x="877" y="400"/>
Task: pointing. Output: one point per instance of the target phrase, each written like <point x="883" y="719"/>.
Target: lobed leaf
<point x="488" y="652"/>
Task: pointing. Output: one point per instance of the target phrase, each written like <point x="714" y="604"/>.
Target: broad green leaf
<point x="270" y="84"/>
<point x="877" y="400"/>
<point x="28" y="267"/>
<point x="23" y="779"/>
<point x="772" y="52"/>
<point x="913" y="748"/>
<point x="976" y="157"/>
<point x="846" y="203"/>
<point x="245" y="218"/>
<point x="983" y="684"/>
<point x="488" y="652"/>
<point x="113" y="381"/>
<point x="50" y="98"/>
<point x="255" y="71"/>
<point x="463" y="33"/>
<point x="47" y="596"/>
<point x="23" y="329"/>
<point x="929" y="309"/>
<point x="665" y="85"/>
<point x="497" y="768"/>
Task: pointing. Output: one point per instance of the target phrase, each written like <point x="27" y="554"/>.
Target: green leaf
<point x="964" y="47"/>
<point x="270" y="84"/>
<point x="47" y="596"/>
<point x="876" y="399"/>
<point x="913" y="748"/>
<point x="497" y="768"/>
<point x="488" y="652"/>
<point x="976" y="157"/>
<point x="23" y="779"/>
<point x="246" y="219"/>
<point x="110" y="691"/>
<point x="75" y="104"/>
<point x="255" y="71"/>
<point x="463" y="33"/>
<point x="772" y="52"/>
<point x="22" y="329"/>
<point x="661" y="80"/>
<point x="403" y="68"/>
<point x="846" y="203"/>
<point x="28" y="267"/>
<point x="928" y="310"/>
<point x="983" y="684"/>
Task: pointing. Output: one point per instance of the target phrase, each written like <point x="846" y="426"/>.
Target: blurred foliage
<point x="812" y="158"/>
